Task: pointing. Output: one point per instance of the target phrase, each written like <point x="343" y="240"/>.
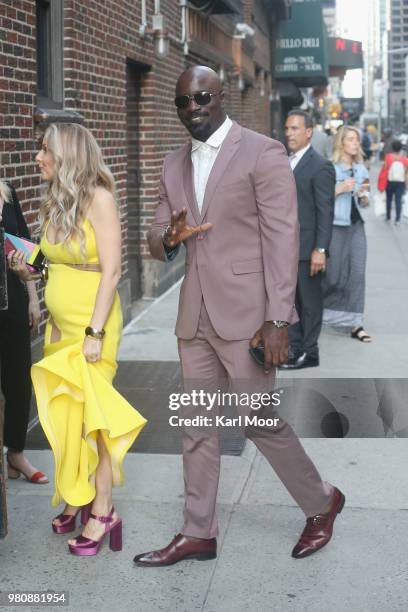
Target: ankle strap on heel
<point x="104" y="519"/>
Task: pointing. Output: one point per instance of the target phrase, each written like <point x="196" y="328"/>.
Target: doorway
<point x="135" y="76"/>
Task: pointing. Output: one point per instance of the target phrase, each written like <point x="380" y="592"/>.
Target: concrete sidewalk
<point x="150" y="336"/>
<point x="363" y="569"/>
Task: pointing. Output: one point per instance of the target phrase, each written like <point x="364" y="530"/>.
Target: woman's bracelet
<point x="96" y="334"/>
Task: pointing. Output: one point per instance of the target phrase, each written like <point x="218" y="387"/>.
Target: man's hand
<point x="317" y="262"/>
<point x="179" y="230"/>
<point x="276" y="343"/>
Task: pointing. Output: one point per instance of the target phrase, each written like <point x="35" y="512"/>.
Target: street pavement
<point x="363" y="569"/>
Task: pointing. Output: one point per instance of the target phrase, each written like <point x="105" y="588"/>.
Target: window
<point x="49" y="15"/>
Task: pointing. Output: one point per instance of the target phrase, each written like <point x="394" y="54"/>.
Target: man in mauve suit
<point x="229" y="195"/>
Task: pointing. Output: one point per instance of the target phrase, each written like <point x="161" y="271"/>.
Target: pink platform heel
<point x="68" y="521"/>
<point x="87" y="547"/>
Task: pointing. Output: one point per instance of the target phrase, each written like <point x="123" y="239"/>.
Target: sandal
<point x="86" y="547"/>
<point x="14" y="473"/>
<point x="68" y="521"/>
<point x="361" y="334"/>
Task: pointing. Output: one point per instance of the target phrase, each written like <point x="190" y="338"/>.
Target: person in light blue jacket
<point x="344" y="283"/>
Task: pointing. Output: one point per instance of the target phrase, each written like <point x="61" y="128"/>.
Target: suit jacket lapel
<point x="227" y="152"/>
<point x="188" y="184"/>
<point x="303" y="161"/>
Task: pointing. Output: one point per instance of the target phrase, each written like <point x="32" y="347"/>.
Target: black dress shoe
<point x="300" y="361"/>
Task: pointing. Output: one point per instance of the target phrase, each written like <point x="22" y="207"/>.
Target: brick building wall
<point x="113" y="80"/>
<point x="17" y="99"/>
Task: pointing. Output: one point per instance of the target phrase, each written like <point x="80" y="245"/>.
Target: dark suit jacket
<point x="315" y="183"/>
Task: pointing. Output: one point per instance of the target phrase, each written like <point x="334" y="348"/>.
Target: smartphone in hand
<point x="258" y="354"/>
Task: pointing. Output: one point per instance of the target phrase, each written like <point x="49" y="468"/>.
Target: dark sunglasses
<point x="202" y="98"/>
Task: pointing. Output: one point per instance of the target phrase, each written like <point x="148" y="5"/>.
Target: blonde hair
<point x="79" y="170"/>
<point x="338" y="147"/>
<point x="5" y="192"/>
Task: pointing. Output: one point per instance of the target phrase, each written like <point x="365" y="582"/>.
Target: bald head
<point x="201" y="118"/>
<point x="206" y="79"/>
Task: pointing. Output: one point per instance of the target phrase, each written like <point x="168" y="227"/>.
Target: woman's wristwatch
<point x="280" y="324"/>
<point x="96" y="334"/>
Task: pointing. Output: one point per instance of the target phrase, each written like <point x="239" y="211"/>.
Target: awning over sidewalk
<point x="301" y="46"/>
<point x="344" y="54"/>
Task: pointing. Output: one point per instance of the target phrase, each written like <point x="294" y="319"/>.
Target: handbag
<point x="32" y="251"/>
<point x="379" y="204"/>
<point x="383" y="179"/>
<point x="404" y="211"/>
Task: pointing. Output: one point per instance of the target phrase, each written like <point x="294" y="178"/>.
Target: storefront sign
<point x="345" y="53"/>
<point x="301" y="45"/>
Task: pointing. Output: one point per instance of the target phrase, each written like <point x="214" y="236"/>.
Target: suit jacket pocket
<point x="239" y="183"/>
<point x="247" y="266"/>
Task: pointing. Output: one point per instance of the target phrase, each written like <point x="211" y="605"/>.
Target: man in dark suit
<point x="315" y="182"/>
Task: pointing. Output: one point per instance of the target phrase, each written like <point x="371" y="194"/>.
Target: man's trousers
<point x="209" y="363"/>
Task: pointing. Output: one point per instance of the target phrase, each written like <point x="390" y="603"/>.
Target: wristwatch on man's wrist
<point x="319" y="250"/>
<point x="280" y="324"/>
<point x="166" y="234"/>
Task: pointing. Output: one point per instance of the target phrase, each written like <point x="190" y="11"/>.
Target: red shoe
<point x="319" y="528"/>
<point x="14" y="473"/>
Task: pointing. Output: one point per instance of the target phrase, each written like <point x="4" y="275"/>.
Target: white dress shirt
<point x="203" y="156"/>
<point x="294" y="158"/>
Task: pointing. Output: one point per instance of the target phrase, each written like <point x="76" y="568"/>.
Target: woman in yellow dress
<point x="89" y="425"/>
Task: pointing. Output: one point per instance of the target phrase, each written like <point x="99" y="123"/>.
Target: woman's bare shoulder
<point x="103" y="203"/>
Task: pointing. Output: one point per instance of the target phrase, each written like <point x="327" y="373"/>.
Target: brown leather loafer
<point x="319" y="528"/>
<point x="181" y="547"/>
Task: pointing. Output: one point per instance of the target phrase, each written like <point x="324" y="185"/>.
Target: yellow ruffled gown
<point x="75" y="398"/>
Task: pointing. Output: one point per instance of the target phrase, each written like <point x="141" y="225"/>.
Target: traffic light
<point x="335" y="110"/>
